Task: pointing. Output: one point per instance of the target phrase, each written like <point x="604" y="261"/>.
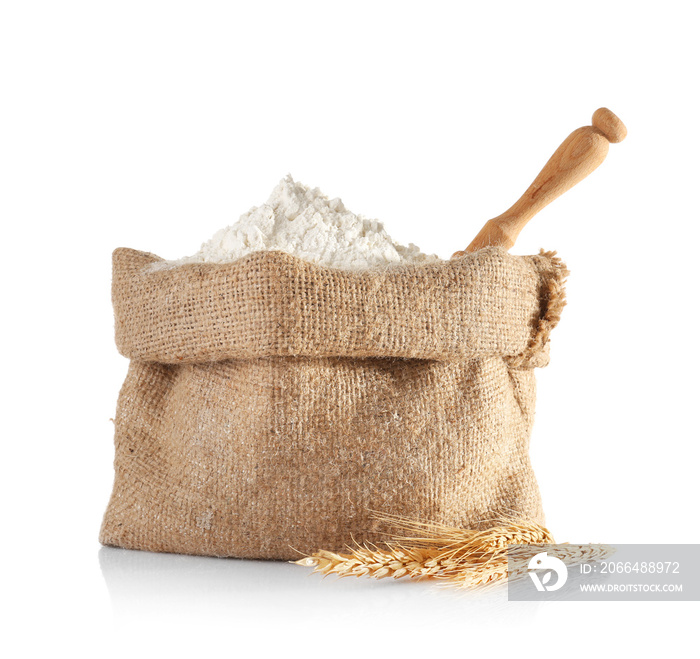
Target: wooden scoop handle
<point x="578" y="155"/>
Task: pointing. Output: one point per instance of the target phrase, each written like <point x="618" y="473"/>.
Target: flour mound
<point x="304" y="222"/>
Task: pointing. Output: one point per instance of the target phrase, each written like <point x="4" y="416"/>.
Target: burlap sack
<point x="271" y="404"/>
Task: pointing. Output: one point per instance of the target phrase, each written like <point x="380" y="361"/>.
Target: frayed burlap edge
<point x="553" y="296"/>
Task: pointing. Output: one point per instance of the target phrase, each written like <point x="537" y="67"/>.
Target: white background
<point x="151" y="125"/>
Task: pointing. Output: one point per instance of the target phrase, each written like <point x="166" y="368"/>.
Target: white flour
<point x="304" y="222"/>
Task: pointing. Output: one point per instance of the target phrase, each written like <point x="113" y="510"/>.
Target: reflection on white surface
<point x="145" y="585"/>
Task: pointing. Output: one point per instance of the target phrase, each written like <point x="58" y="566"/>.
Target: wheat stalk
<point x="465" y="558"/>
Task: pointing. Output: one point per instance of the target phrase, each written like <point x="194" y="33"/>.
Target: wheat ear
<point x="465" y="557"/>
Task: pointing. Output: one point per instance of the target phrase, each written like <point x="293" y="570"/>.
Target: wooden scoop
<point x="578" y="155"/>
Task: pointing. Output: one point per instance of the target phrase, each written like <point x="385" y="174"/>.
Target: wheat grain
<point x="462" y="557"/>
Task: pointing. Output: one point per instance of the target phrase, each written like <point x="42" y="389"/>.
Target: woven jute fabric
<point x="272" y="404"/>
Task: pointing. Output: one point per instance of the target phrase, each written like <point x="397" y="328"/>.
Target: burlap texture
<point x="271" y="404"/>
